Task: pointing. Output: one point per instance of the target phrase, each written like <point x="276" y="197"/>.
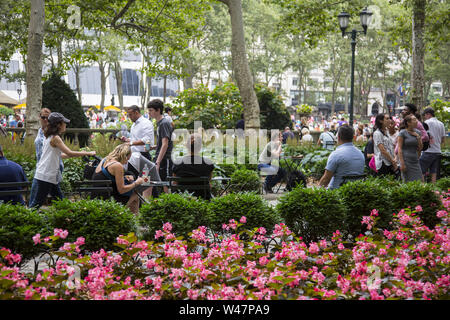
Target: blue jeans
<point x="39" y="191"/>
<point x="276" y="174"/>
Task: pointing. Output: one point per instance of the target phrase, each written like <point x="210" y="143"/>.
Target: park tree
<point x="240" y="64"/>
<point x="34" y="65"/>
<point x="267" y="52"/>
<point x="337" y="66"/>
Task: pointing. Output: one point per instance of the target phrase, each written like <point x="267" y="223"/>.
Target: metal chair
<point x="355" y="177"/>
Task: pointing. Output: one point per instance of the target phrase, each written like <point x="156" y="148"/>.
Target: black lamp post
<point x="19" y="92"/>
<point x="344" y="17"/>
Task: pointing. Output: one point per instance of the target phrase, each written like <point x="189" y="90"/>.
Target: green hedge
<point x="235" y="205"/>
<point x="443" y="184"/>
<point x="359" y="198"/>
<point x="244" y="180"/>
<point x="416" y="193"/>
<point x="100" y="222"/>
<point x="312" y="213"/>
<point x="18" y="225"/>
<point x="184" y="212"/>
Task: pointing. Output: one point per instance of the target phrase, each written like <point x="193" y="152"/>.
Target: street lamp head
<point x="344" y="18"/>
<point x="19" y="91"/>
<point x="365" y="17"/>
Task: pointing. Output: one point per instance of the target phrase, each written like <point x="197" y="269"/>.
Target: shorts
<point x="430" y="161"/>
<point x="165" y="169"/>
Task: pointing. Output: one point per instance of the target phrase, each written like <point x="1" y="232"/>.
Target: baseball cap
<point x="429" y="110"/>
<point x="56" y="117"/>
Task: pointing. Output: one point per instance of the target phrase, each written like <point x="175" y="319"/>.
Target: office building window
<point x="89" y="80"/>
<point x="295" y="81"/>
<point x="13" y="67"/>
<point x="130" y="82"/>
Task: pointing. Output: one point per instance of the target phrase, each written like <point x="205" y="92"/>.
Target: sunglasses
<point x="44" y="118"/>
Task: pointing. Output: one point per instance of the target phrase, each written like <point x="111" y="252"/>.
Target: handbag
<point x="90" y="167"/>
<point x="372" y="164"/>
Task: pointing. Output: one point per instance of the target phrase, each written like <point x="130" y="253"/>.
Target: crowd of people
<point x="124" y="166"/>
<point x="408" y="146"/>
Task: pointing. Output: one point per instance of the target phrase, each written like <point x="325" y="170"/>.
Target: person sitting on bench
<point x="111" y="168"/>
<point x="11" y="172"/>
<point x="194" y="165"/>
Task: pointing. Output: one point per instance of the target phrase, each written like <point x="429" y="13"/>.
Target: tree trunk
<point x="241" y="69"/>
<point x="119" y="79"/>
<point x="103" y="77"/>
<point x="165" y="88"/>
<point x="418" y="53"/>
<point x="77" y="70"/>
<point x="34" y="66"/>
<point x="189" y="70"/>
<point x="149" y="90"/>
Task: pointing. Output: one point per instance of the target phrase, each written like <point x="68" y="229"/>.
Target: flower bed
<point x="409" y="262"/>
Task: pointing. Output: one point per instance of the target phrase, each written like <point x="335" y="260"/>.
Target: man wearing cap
<point x="11" y="172"/>
<point x="431" y="157"/>
<point x="141" y="132"/>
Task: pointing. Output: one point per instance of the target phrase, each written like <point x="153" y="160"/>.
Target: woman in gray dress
<point x="409" y="148"/>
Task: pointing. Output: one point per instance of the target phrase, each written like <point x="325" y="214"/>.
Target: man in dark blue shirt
<point x="11" y="172"/>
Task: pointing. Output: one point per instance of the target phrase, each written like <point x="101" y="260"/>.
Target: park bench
<point x="191" y="185"/>
<point x="94" y="188"/>
<point x="15" y="188"/>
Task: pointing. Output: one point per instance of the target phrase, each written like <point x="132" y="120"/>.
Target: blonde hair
<point x="305" y="131"/>
<point x="120" y="153"/>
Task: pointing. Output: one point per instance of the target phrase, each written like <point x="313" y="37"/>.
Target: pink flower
<point x="158" y="234"/>
<point x="37" y="238"/>
<point x="419" y="208"/>
<point x="341" y="246"/>
<point x="388" y="234"/>
<point x="261" y="230"/>
<point x="243" y="219"/>
<point x="441" y="214"/>
<point x="313" y="248"/>
<point x="80" y="241"/>
<point x="60" y="233"/>
<point x="263" y="260"/>
<point x="167" y="227"/>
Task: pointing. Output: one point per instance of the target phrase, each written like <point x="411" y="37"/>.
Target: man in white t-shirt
<point x="141" y="131"/>
<point x="431" y="157"/>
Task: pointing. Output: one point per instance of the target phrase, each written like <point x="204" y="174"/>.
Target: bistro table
<point x="140" y="188"/>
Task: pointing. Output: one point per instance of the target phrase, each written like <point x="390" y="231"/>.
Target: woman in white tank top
<point x="48" y="176"/>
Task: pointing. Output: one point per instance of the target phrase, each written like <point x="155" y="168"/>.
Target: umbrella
<point x="20" y="106"/>
<point x="112" y="108"/>
<point x="92" y="108"/>
<point x="5" y="99"/>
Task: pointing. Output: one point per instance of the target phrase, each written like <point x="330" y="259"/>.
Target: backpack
<point x="90" y="167"/>
<point x="295" y="178"/>
<point x="426" y="144"/>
